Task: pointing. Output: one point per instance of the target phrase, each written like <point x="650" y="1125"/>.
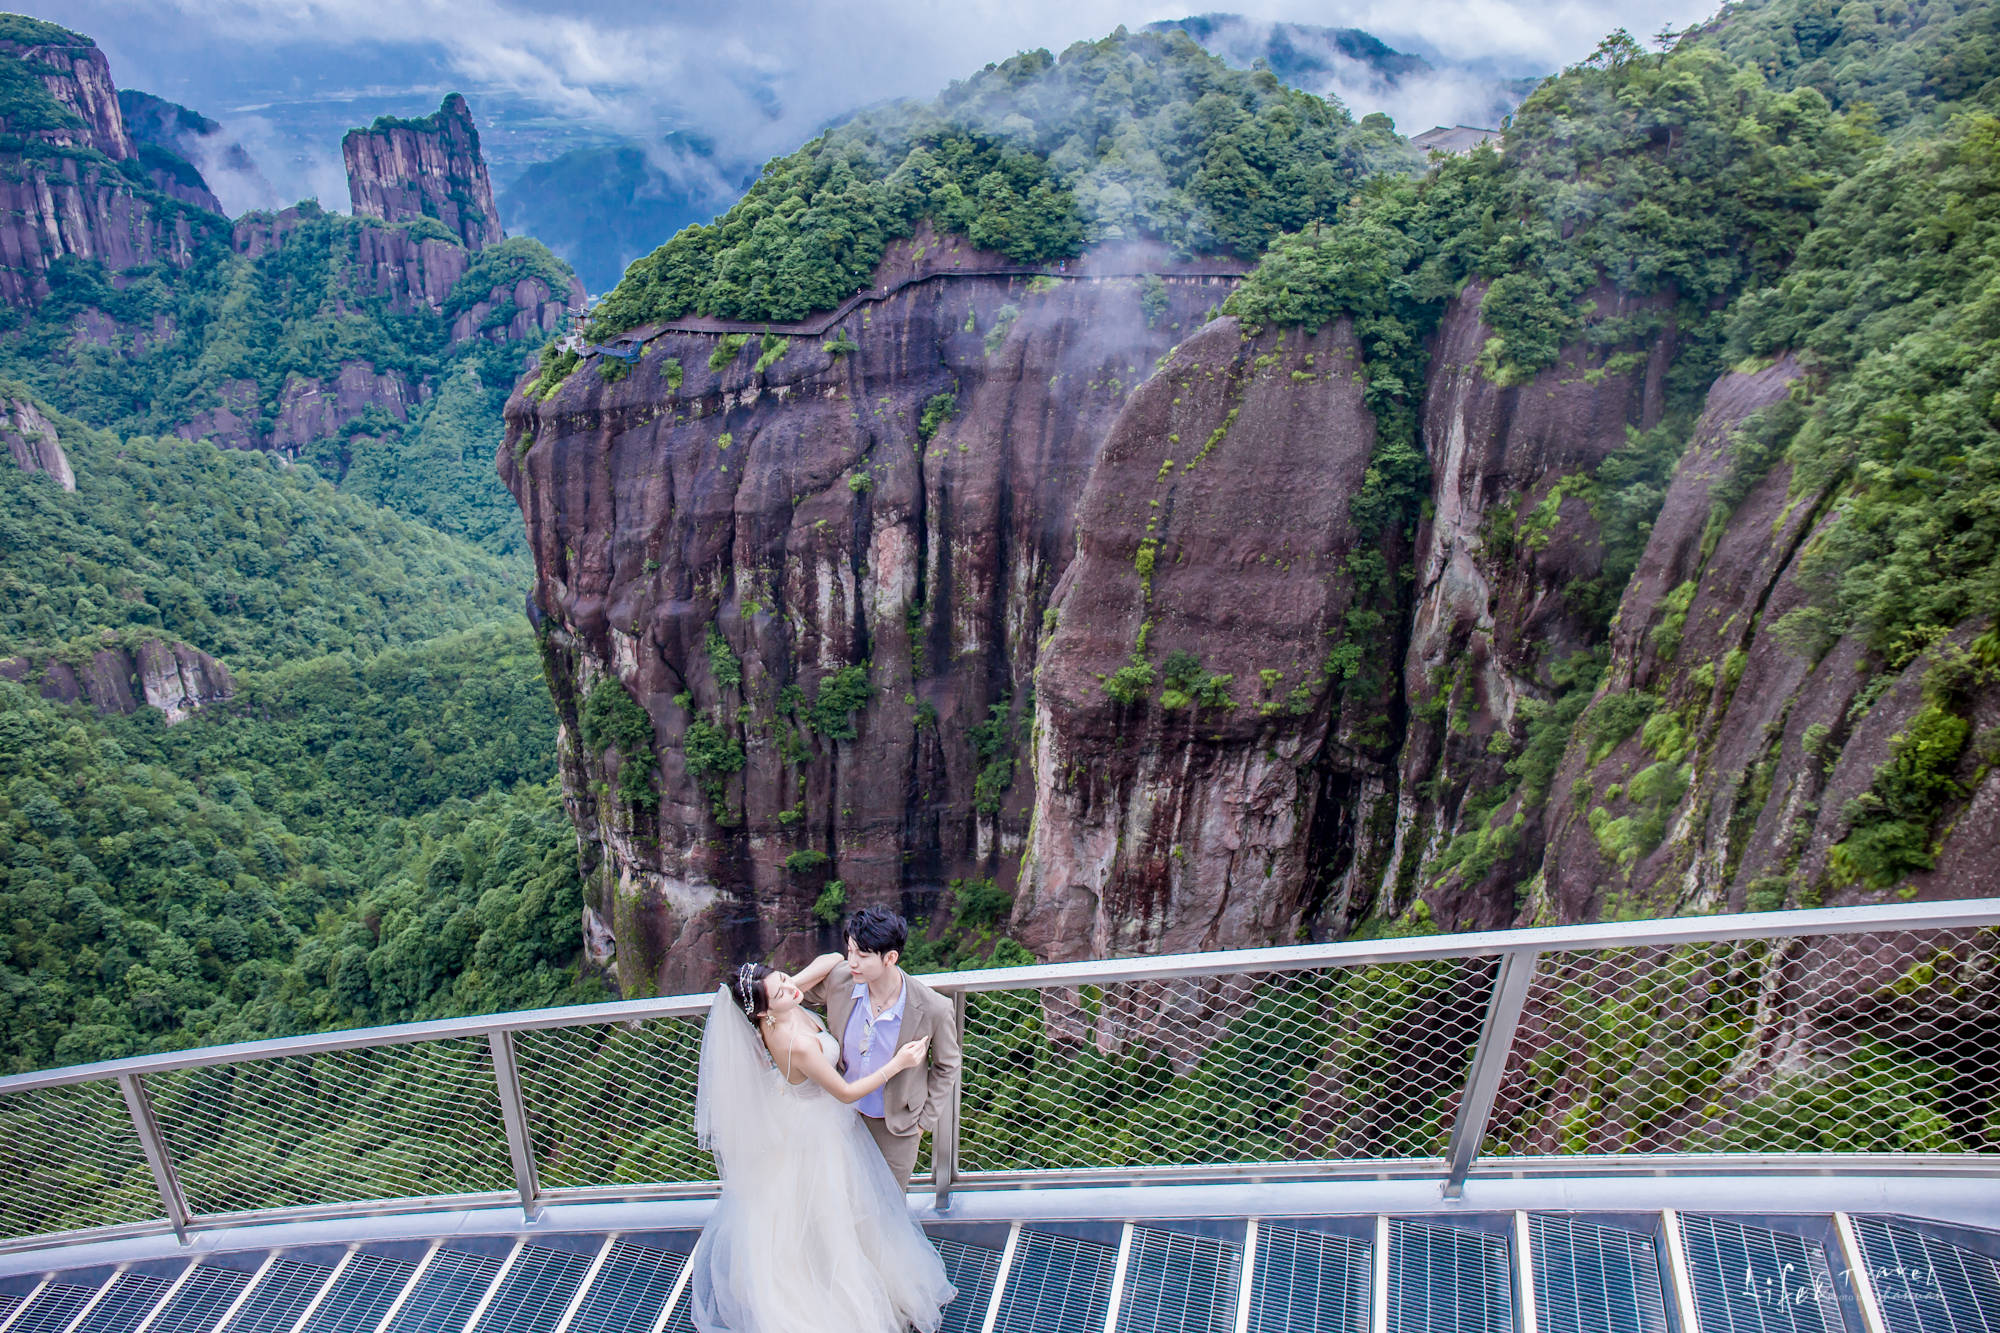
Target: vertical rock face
<point x="1760" y="731"/>
<point x="52" y="207"/>
<point x="733" y="547"/>
<point x="32" y="442"/>
<point x="258" y="234"/>
<point x="317" y="409"/>
<point x="401" y="170"/>
<point x="61" y="192"/>
<point x="1497" y="567"/>
<point x="409" y="272"/>
<point x="76" y="75"/>
<point x="122" y="678"/>
<point x="527" y="311"/>
<point x="233" y="423"/>
<point x="1195" y="770"/>
<point x="171" y="141"/>
<point x="1113" y="637"/>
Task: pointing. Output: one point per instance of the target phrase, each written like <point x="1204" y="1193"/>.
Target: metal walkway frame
<point x="1946" y="950"/>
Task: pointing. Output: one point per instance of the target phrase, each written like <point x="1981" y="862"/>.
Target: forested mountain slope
<point x="376" y="347"/>
<point x="363" y="830"/>
<point x="1033" y="158"/>
<point x="1595" y="526"/>
<point x="275" y="756"/>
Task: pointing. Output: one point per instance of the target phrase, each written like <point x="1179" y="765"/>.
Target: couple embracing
<point x="815" y="1130"/>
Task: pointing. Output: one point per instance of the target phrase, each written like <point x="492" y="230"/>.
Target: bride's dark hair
<point x="747" y="986"/>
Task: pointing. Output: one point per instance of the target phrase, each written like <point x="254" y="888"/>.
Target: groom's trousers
<point x="898" y="1150"/>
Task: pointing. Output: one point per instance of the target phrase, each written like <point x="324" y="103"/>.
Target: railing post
<point x="140" y="1107"/>
<point x="1489" y="1061"/>
<point x="944" y="1138"/>
<point x="507" y="1075"/>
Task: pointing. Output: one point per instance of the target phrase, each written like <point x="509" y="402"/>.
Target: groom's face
<point x="868" y="967"/>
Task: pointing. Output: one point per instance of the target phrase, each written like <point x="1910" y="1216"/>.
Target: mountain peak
<point x="403" y="169"/>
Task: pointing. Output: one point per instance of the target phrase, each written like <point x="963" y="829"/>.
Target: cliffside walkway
<point x="1680" y="1064"/>
<point x="627" y="345"/>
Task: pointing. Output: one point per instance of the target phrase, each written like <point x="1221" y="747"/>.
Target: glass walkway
<point x="1768" y="1123"/>
<point x="1480" y="1273"/>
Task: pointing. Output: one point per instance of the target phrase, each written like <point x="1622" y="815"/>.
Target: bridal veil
<point x="810" y="1232"/>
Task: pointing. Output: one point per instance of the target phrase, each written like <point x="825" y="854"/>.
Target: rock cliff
<point x="61" y="190"/>
<point x="78" y="79"/>
<point x="817" y="565"/>
<point x="32" y="442"/>
<point x="122" y="677"/>
<point x="1198" y="769"/>
<point x="1000" y="579"/>
<point x="1510" y="544"/>
<point x="172" y="142"/>
<point x="400" y="170"/>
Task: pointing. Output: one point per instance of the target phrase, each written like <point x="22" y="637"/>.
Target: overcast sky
<point x="758" y="77"/>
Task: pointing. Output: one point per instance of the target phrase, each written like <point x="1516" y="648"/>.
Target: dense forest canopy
<point x="1913" y="60"/>
<point x="1038" y="157"/>
<point x="367" y="831"/>
<point x="249" y="326"/>
<point x="231" y="551"/>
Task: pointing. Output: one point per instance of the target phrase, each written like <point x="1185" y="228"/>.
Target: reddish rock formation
<point x="801" y="515"/>
<point x="174" y="143"/>
<point x="257" y="234"/>
<point x="1496" y="564"/>
<point x="690" y="525"/>
<point x="1766" y="730"/>
<point x="61" y="192"/>
<point x="411" y="273"/>
<point x="122" y="677"/>
<point x="232" y="424"/>
<point x="56" y="206"/>
<point x="32" y="442"/>
<point x="1214" y="529"/>
<point x="77" y="76"/>
<point x="316" y="409"/>
<point x="401" y="170"/>
<point x="536" y="312"/>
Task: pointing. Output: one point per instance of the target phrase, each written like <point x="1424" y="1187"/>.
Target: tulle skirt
<point x="812" y="1234"/>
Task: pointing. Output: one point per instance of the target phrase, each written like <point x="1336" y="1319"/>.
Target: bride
<point x="810" y="1230"/>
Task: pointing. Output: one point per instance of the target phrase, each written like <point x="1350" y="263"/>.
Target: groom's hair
<point x="878" y="930"/>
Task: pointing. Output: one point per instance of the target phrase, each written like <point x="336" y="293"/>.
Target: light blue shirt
<point x="882" y="1043"/>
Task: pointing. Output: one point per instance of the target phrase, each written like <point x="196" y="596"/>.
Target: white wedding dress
<point x="810" y="1232"/>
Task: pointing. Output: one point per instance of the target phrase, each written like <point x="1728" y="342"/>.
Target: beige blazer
<point x="912" y="1099"/>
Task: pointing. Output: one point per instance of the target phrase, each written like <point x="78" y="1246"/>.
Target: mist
<point x="286" y="77"/>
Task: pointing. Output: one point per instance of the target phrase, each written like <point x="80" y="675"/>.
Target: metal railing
<point x="1858" y="1039"/>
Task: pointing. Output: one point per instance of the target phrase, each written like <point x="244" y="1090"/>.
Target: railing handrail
<point x="1665" y="931"/>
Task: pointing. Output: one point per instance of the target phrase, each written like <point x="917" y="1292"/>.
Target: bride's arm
<point x="808" y="1058"/>
<point x="815" y="972"/>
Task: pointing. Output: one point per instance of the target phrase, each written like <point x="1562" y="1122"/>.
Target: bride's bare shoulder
<point x="779" y="1038"/>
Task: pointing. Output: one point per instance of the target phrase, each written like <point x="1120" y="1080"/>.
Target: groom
<point x="873" y="1007"/>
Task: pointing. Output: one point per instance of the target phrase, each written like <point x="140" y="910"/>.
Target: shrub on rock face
<point x="841" y="694"/>
<point x="711" y="755"/>
<point x="612" y="720"/>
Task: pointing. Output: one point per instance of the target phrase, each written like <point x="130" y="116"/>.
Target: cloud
<point x="756" y="79"/>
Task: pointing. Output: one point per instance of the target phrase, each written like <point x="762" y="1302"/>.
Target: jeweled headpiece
<point x="746" y="990"/>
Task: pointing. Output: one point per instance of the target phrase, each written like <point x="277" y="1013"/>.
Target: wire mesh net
<point x="1264" y="1067"/>
<point x="387" y="1122"/>
<point x="613" y="1103"/>
<point x="69" y="1159"/>
<point x="1886" y="1042"/>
